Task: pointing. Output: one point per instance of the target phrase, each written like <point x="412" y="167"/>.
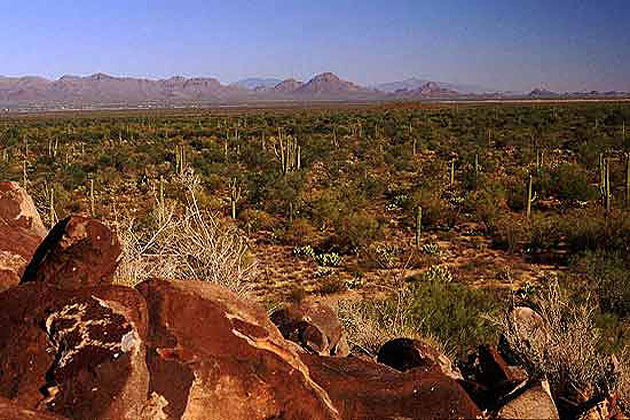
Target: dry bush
<point x="565" y="349"/>
<point x="368" y="324"/>
<point x="180" y="241"/>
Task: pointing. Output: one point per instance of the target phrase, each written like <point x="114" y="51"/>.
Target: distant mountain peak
<point x="541" y="92"/>
<point x="329" y="83"/>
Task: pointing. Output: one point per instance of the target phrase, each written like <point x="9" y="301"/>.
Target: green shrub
<point x="438" y="274"/>
<point x="331" y="259"/>
<point x="256" y="220"/>
<point x="359" y="229"/>
<point x="609" y="275"/>
<point x="304" y="251"/>
<point x="300" y="232"/>
<point x="453" y="313"/>
<point x="430" y="249"/>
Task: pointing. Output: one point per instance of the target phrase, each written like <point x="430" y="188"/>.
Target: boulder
<point x="531" y="402"/>
<point x="76" y="353"/>
<point x="526" y="324"/>
<point x="489" y="377"/>
<point x="315" y="327"/>
<point x="365" y="390"/>
<point x="403" y="354"/>
<point x="21" y="231"/>
<point x="11" y="411"/>
<point x="496" y="374"/>
<point x="78" y="252"/>
<point x="212" y="356"/>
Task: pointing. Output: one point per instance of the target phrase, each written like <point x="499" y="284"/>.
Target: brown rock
<point x="362" y="390"/>
<point x="534" y="402"/>
<point x="315" y="327"/>
<point x="11" y="411"/>
<point x="78" y="252"/>
<point x="17" y="210"/>
<point x="210" y="355"/>
<point x="21" y="231"/>
<point x="405" y="353"/>
<point x="496" y="374"/>
<point x="77" y="353"/>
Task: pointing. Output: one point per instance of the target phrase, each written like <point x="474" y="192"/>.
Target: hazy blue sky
<point x="504" y="44"/>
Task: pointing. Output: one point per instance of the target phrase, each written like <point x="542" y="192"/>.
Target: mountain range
<point x="102" y="90"/>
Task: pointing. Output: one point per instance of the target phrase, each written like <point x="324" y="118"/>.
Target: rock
<point x="77" y="353"/>
<point x="496" y="374"/>
<point x="17" y="210"/>
<point x="405" y="353"/>
<point x="210" y="355"/>
<point x="527" y="324"/>
<point x="533" y="402"/>
<point x="21" y="231"/>
<point x="362" y="390"/>
<point x="315" y="327"/>
<point x="11" y="411"/>
<point x="78" y="252"/>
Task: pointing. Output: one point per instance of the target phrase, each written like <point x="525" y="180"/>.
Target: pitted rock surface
<point x="78" y="252"/>
<point x="364" y="390"/>
<point x="77" y="353"/>
<point x="21" y="231"/>
<point x="315" y="327"/>
<point x="211" y="356"/>
<point x="12" y="411"/>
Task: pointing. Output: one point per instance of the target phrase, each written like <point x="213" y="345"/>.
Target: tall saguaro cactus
<point x="51" y="204"/>
<point x="235" y="196"/>
<point x="180" y="159"/>
<point x="607" y="188"/>
<point x="289" y="152"/>
<point x="418" y="226"/>
<point x="531" y="197"/>
<point x="92" y="201"/>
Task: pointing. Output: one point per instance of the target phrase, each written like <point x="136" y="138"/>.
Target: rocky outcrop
<point x="77" y="353"/>
<point x="73" y="345"/>
<point x="78" y="252"/>
<point x="362" y="390"/>
<point x="315" y="327"/>
<point x="21" y="231"/>
<point x="210" y="355"/>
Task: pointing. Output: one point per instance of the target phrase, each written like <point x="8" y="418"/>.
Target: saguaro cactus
<point x="51" y="204"/>
<point x="92" y="200"/>
<point x="289" y="152"/>
<point x="628" y="179"/>
<point x="531" y="197"/>
<point x="452" y="172"/>
<point x="235" y="196"/>
<point x="607" y="188"/>
<point x="180" y="159"/>
<point x="418" y="226"/>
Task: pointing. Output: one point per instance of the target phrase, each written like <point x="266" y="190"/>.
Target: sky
<point x="562" y="45"/>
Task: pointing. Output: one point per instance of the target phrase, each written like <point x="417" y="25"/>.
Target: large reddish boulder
<point x="21" y="231"/>
<point x="210" y="355"/>
<point x="77" y="353"/>
<point x="364" y="390"/>
<point x="78" y="252"/>
<point x="315" y="327"/>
